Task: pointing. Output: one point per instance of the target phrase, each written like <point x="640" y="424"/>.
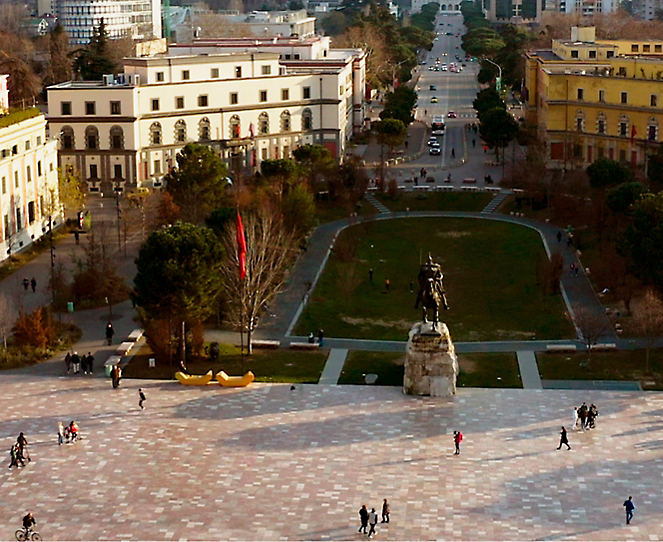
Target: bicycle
<point x="27" y="534"/>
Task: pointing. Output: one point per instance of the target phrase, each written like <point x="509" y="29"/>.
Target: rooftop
<point x="18" y="115"/>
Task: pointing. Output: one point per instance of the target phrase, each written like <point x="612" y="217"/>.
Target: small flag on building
<point x="241" y="247"/>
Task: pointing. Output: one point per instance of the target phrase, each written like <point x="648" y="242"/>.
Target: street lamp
<point x="498" y="83"/>
<point x="393" y="74"/>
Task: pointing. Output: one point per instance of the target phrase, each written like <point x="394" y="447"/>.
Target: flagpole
<point x="241" y="323"/>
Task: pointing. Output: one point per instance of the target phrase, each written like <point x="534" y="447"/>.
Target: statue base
<point x="431" y="366"/>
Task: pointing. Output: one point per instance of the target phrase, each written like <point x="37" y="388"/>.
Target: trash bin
<point x="108" y="368"/>
<point x="70" y="306"/>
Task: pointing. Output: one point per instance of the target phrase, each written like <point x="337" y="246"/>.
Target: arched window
<point x="91" y="137"/>
<point x="623" y="125"/>
<point x="601" y="124"/>
<point x="67" y="138"/>
<point x="263" y="123"/>
<point x="307" y="119"/>
<point x="204" y="130"/>
<point x="180" y="131"/>
<point x="580" y="121"/>
<point x="116" y="137"/>
<point x="234" y="127"/>
<point x="155" y="133"/>
<point x="652" y="129"/>
<point x="285" y="121"/>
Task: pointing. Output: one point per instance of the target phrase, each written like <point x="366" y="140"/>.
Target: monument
<point x="431" y="366"/>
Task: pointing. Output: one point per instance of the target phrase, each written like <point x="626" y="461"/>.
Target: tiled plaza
<point x="271" y="463"/>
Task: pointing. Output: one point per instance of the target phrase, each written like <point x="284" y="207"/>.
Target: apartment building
<point x="28" y="180"/>
<point x="248" y="106"/>
<point x="590" y="101"/>
<point x="646" y="9"/>
<point x="513" y="11"/>
<point x="586" y="8"/>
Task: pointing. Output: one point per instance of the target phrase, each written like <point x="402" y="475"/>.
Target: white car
<point x="435" y="150"/>
<point x="432" y="142"/>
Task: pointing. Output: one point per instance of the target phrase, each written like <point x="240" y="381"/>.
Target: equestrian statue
<point x="431" y="290"/>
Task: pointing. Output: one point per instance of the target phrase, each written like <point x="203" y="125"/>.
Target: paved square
<point x="269" y="463"/>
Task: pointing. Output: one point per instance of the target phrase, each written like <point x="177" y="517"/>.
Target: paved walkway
<point x="529" y="370"/>
<point x="332" y="371"/>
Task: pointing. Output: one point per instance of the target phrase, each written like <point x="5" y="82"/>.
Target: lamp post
<point x="498" y="83"/>
<point x="393" y="74"/>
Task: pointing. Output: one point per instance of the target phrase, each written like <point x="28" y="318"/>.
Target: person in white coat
<point x="575" y="417"/>
<point x="372" y="522"/>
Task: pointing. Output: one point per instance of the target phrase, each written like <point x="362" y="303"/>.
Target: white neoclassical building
<point x="249" y="106"/>
<point x="28" y="180"/>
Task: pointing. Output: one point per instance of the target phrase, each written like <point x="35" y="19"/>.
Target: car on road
<point x="452" y="115"/>
<point x="432" y="141"/>
<point x="433" y="100"/>
<point x="431" y="68"/>
<point x="444" y="68"/>
<point x="435" y="150"/>
<point x="433" y="87"/>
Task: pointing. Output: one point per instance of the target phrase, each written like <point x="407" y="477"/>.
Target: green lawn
<point x="267" y="365"/>
<point x="476" y="370"/>
<point x="620" y="365"/>
<point x="437" y="201"/>
<point x="490" y="279"/>
<point x="329" y="211"/>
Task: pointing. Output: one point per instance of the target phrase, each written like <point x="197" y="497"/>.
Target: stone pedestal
<point x="431" y="366"/>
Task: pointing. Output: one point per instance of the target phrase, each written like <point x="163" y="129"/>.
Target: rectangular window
<point x="297" y="56"/>
<point x="185" y="75"/>
<point x="623" y="129"/>
<point x="653" y="100"/>
<point x="179" y="102"/>
<point x="28" y="174"/>
<point x="214" y="73"/>
<point x="15" y="179"/>
<point x="622" y="156"/>
<point x="592" y="54"/>
<point x="266" y="70"/>
<point x="39" y="168"/>
<point x="116" y="108"/>
<point x="285" y="94"/>
<point x="7" y="232"/>
<point x="577" y="151"/>
<point x="579" y="125"/>
<point x="94" y="174"/>
<point x="38" y="141"/>
<point x="116" y="141"/>
<point x="574" y="53"/>
<point x="4" y="185"/>
<point x="634" y="48"/>
<point x="155" y="104"/>
<point x="307" y="93"/>
<point x="581" y="94"/>
<point x="90" y="108"/>
<point x="117" y="171"/>
<point x="238" y="72"/>
<point x="157" y="166"/>
<point x="658" y="48"/>
<point x="263" y="95"/>
<point x="31" y="212"/>
<point x="27" y="144"/>
<point x="65" y="108"/>
<point x="622" y="71"/>
<point x="160" y="77"/>
<point x="68" y="141"/>
<point x="601" y="95"/>
<point x="19" y="225"/>
<point x="624" y="97"/>
<point x="234" y="98"/>
<point x="202" y="100"/>
<point x="610" y="54"/>
<point x="645" y="49"/>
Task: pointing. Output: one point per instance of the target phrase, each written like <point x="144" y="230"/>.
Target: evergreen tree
<point x="94" y="61"/>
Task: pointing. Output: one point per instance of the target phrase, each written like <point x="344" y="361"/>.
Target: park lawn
<point x="267" y="365"/>
<point x="618" y="365"/>
<point x="436" y="201"/>
<point x="476" y="370"/>
<point x="330" y="211"/>
<point x="490" y="280"/>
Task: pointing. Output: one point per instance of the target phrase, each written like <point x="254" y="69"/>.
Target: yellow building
<point x="589" y="99"/>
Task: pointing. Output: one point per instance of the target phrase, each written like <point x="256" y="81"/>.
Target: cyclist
<point x="29" y="521"/>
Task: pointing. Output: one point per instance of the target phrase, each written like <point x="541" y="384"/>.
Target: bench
<point x="125" y="348"/>
<point x="259" y="343"/>
<point x="304" y="346"/>
<point x="469" y="180"/>
<point x="136" y="335"/>
<point x="603" y="347"/>
<point x="561" y="348"/>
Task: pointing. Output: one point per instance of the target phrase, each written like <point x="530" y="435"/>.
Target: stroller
<point x="71" y="432"/>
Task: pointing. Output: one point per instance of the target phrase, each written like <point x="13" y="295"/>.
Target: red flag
<point x="634" y="132"/>
<point x="241" y="247"/>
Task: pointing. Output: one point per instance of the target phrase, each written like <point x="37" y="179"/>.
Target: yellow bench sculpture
<point x="234" y="381"/>
<point x="194" y="380"/>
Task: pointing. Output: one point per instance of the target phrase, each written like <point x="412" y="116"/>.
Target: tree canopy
<point x="95" y="60"/>
<point x="497" y="127"/>
<point x="604" y="172"/>
<point x="400" y="105"/>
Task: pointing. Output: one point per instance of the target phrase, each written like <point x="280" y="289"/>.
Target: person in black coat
<point x="363" y="517"/>
<point x="563" y="439"/>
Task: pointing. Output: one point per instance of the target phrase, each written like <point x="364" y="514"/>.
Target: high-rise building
<point x="646" y="9"/>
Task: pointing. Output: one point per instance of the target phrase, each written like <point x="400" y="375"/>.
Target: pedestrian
<point x="628" y="505"/>
<point x="449" y="177"/>
<point x="386" y="284"/>
<point x="595" y="412"/>
<point x="109" y="332"/>
<point x="575" y="417"/>
<point x="73" y="431"/>
<point x="572" y="267"/>
<point x="416" y="182"/>
<point x="563" y="439"/>
<point x="321" y="337"/>
<point x="577" y="270"/>
<point x="411" y="286"/>
<point x="22" y="443"/>
<point x="15" y="457"/>
<point x="26" y="283"/>
<point x="33" y="283"/>
<point x="67" y="361"/>
<point x="453" y="153"/>
<point x="421" y="172"/>
<point x="77" y="237"/>
<point x="115" y="376"/>
<point x="425" y="111"/>
<point x="372" y="522"/>
<point x="76" y="362"/>
<point x="370" y="275"/>
<point x="385" y="512"/>
<point x="60" y="434"/>
<point x="559" y="236"/>
<point x="474" y="143"/>
<point x="406" y="145"/>
<point x="582" y="412"/>
<point x="90" y="362"/>
<point x="458" y="437"/>
<point x="363" y="517"/>
<point x="84" y="363"/>
<point x="311" y="338"/>
<point x="142" y="398"/>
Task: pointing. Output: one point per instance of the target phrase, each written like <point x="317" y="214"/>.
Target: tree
<point x="270" y="249"/>
<point x="8" y="316"/>
<point x="390" y="132"/>
<point x="23" y="83"/>
<point x="400" y="105"/>
<point x="298" y="209"/>
<point x="59" y="65"/>
<point x="198" y="182"/>
<point x="168" y="212"/>
<point x="604" y="172"/>
<point x="94" y="60"/>
<point x="648" y="321"/>
<point x="497" y="127"/>
<point x="621" y="198"/>
<point x="313" y="161"/>
<point x="335" y="23"/>
<point x="591" y="326"/>
<point x="279" y="172"/>
<point x="70" y="190"/>
<point x="486" y="100"/>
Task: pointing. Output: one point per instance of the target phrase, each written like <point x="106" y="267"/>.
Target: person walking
<point x="372" y="522"/>
<point x="458" y="437"/>
<point x="90" y="362"/>
<point x="559" y="236"/>
<point x="582" y="413"/>
<point x="629" y="507"/>
<point x="321" y="337"/>
<point x="363" y="517"/>
<point x="370" y="275"/>
<point x="453" y="153"/>
<point x="141" y="399"/>
<point x="385" y="512"/>
<point x="33" y="283"/>
<point x="77" y="237"/>
<point x="563" y="439"/>
<point x="575" y="417"/>
<point x="60" y="433"/>
<point x="84" y="363"/>
<point x="386" y="284"/>
<point x="13" y="455"/>
<point x="26" y="284"/>
<point x="474" y="143"/>
<point x="67" y="361"/>
<point x="109" y="332"/>
<point x="22" y="443"/>
<point x="76" y="363"/>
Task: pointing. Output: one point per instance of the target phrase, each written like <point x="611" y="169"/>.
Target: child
<point x="60" y="433"/>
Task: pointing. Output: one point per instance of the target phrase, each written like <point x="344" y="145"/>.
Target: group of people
<point x="585" y="416"/>
<point x="370" y="519"/>
<point x="69" y="433"/>
<point x="19" y="452"/>
<point x="75" y="363"/>
<point x="27" y="283"/>
<point x="116" y="376"/>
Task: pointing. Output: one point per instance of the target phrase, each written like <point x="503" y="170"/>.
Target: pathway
<point x="332" y="371"/>
<point x="529" y="371"/>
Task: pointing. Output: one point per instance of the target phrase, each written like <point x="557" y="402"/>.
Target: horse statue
<point x="431" y="290"/>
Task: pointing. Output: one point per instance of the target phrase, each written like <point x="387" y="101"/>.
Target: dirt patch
<point x="466" y="365"/>
<point x="452" y="234"/>
<point x="400" y="324"/>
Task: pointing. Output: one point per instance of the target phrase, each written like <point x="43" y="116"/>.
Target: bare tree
<point x="348" y="280"/>
<point x="8" y="315"/>
<point x="591" y="325"/>
<point x="648" y="321"/>
<point x="270" y="249"/>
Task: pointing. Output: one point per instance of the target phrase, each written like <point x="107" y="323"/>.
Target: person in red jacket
<point x="458" y="437"/>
